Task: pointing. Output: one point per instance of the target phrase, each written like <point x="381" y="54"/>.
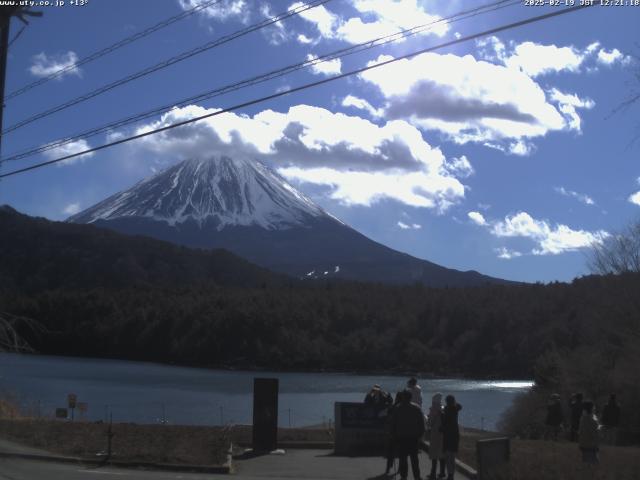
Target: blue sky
<point x="500" y="155"/>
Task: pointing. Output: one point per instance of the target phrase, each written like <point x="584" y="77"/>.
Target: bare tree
<point x="619" y="253"/>
<point x="10" y="339"/>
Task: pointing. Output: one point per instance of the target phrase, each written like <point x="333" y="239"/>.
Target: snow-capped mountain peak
<point x="217" y="191"/>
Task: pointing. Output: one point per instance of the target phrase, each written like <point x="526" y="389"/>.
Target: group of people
<point x="584" y="425"/>
<point x="408" y="426"/>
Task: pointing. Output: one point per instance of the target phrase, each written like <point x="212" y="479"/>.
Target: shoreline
<point x="254" y="368"/>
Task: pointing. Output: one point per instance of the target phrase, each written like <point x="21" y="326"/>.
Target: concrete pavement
<point x="304" y="464"/>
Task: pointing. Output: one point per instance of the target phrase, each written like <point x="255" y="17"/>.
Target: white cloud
<point x="551" y="240"/>
<point x="275" y="33"/>
<point x="324" y="20"/>
<point x="358" y="161"/>
<point x="635" y="198"/>
<point x="468" y="100"/>
<point x="326" y="67"/>
<point x="69" y="149"/>
<point x="376" y="18"/>
<point x="507" y="254"/>
<point x="477" y="218"/>
<point x="411" y="226"/>
<point x="612" y="57"/>
<point x="220" y="10"/>
<point x="581" y="197"/>
<point x="302" y="38"/>
<point x="535" y="59"/>
<point x="459" y="167"/>
<point x="44" y="65"/>
<point x="71" y="209"/>
<point x="568" y="103"/>
<point x="362" y="104"/>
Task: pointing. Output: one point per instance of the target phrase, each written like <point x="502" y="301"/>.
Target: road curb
<point x="219" y="469"/>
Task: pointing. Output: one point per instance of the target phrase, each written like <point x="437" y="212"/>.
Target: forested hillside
<point x="109" y="295"/>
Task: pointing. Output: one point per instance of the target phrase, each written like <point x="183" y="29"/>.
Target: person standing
<point x="588" y="434"/>
<point x="407" y="428"/>
<point x="575" y="407"/>
<point x="450" y="433"/>
<point x="555" y="417"/>
<point x="416" y="391"/>
<point x="611" y="420"/>
<point x="434" y="426"/>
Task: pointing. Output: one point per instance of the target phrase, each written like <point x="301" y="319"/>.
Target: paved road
<point x="295" y="464"/>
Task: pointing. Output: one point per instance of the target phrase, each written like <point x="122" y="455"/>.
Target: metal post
<point x="4" y="48"/>
<point x="221" y="415"/>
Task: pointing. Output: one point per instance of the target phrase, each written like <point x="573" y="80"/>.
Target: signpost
<point x="72" y="398"/>
<point x="359" y="428"/>
<point x="265" y="414"/>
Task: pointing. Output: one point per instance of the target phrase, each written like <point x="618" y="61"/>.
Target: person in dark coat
<point x="378" y="398"/>
<point x="450" y="433"/>
<point x="575" y="408"/>
<point x="407" y="428"/>
<point x="611" y="420"/>
<point x="555" y="417"/>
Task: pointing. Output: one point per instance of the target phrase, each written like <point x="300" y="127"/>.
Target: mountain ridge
<point x="244" y="207"/>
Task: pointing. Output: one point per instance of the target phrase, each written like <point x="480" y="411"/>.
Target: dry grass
<point x="130" y="442"/>
<point x="537" y="459"/>
<point x="144" y="443"/>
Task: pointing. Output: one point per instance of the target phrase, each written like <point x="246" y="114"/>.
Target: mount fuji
<point x="245" y="207"/>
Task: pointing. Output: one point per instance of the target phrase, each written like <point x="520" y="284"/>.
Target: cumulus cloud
<point x="302" y="38"/>
<point x="536" y="59"/>
<point x="275" y="33"/>
<point x="468" y="100"/>
<point x="410" y="226"/>
<point x="551" y="240"/>
<point x="69" y="149"/>
<point x="376" y="18"/>
<point x="358" y="161"/>
<point x="219" y="10"/>
<point x="507" y="254"/>
<point x="43" y="65"/>
<point x="612" y="57"/>
<point x="71" y="209"/>
<point x="362" y="104"/>
<point x="324" y="20"/>
<point x="460" y="167"/>
<point x="568" y="103"/>
<point x="327" y="67"/>
<point x="581" y="197"/>
<point x="635" y="198"/>
<point x="477" y="218"/>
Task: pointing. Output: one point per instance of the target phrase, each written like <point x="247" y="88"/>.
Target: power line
<point x="341" y="53"/>
<point x="303" y="87"/>
<point x="111" y="48"/>
<point x="171" y="61"/>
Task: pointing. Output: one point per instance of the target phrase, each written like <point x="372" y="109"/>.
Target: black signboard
<point x="265" y="414"/>
<point x="61" y="413"/>
<point x="360" y="415"/>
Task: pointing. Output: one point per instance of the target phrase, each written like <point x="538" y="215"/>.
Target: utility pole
<point x="6" y="13"/>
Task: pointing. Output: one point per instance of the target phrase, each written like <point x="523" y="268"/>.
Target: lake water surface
<point x="148" y="392"/>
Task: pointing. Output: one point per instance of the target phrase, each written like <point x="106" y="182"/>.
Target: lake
<point x="149" y="393"/>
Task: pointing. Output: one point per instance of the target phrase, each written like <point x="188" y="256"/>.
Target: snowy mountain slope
<point x="222" y="191"/>
<point x="244" y="207"/>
